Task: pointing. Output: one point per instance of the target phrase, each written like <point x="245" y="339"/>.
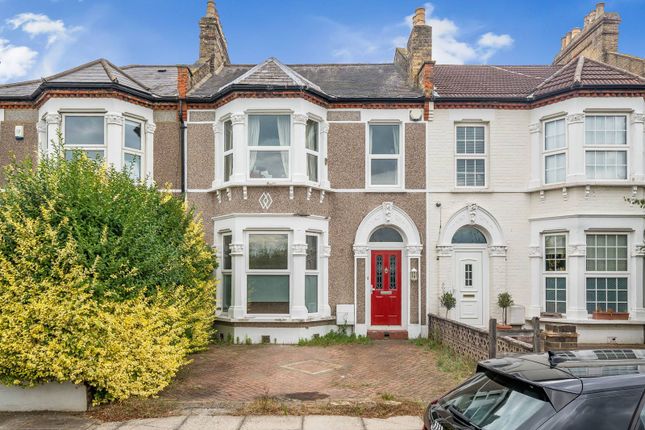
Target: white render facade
<point x="599" y="235"/>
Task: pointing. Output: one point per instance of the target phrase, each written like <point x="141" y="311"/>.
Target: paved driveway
<point x="238" y="373"/>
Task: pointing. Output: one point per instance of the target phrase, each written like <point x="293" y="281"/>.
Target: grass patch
<point x="335" y="338"/>
<point x="134" y="408"/>
<point x="380" y="408"/>
<point x="447" y="361"/>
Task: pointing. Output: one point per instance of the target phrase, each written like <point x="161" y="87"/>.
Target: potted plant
<point x="609" y="314"/>
<point x="504" y="301"/>
<point x="448" y="301"/>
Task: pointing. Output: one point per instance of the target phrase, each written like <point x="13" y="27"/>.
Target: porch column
<point x="299" y="250"/>
<point x="149" y="152"/>
<point x="239" y="148"/>
<point x="41" y="127"/>
<point x="446" y="274"/>
<point x="414" y="311"/>
<point x="636" y="283"/>
<point x="535" y="262"/>
<point x="361" y="254"/>
<point x="298" y="164"/>
<point x="497" y="279"/>
<point x="237" y="309"/>
<point x="576" y="141"/>
<point x="535" y="131"/>
<point x="324" y="175"/>
<point x="218" y="132"/>
<point x="638" y="146"/>
<point x="114" y="139"/>
<point x="53" y="121"/>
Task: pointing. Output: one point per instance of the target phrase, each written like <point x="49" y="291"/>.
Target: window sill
<point x="590" y="183"/>
<point x="592" y="321"/>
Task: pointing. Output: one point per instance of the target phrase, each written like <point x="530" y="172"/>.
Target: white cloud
<point x="36" y="24"/>
<point x="15" y="61"/>
<point x="448" y="44"/>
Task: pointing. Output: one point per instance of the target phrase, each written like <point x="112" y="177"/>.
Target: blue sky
<point x="42" y="37"/>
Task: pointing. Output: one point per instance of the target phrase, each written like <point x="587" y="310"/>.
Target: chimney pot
<point x="575" y="32"/>
<point x="210" y="9"/>
<point x="600" y="9"/>
<point x="567" y="39"/>
<point x="563" y="43"/>
<point x="419" y="16"/>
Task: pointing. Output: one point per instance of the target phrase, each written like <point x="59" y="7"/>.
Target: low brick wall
<point x="471" y="341"/>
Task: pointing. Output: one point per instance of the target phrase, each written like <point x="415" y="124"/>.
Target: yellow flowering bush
<point x="102" y="281"/>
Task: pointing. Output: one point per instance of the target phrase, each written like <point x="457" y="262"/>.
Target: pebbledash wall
<point x="341" y="210"/>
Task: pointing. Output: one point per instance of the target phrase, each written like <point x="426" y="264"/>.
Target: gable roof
<point x="98" y="71"/>
<point x="272" y="73"/>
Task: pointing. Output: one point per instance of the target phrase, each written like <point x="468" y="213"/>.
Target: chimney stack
<point x="419" y="50"/>
<point x="212" y="43"/>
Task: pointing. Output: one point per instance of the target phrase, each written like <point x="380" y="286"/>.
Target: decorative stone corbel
<point x="497" y="250"/>
<point x="53" y="118"/>
<point x="575" y="118"/>
<point x="535" y="252"/>
<point x="322" y="196"/>
<point x="238" y="118"/>
<point x="151" y="127"/>
<point x="361" y="251"/>
<point x="236" y="248"/>
<point x="535" y="128"/>
<point x="300" y="118"/>
<point x="299" y="249"/>
<point x="114" y="119"/>
<point x="445" y="250"/>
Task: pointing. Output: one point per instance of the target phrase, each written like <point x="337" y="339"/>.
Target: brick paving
<point x="241" y="373"/>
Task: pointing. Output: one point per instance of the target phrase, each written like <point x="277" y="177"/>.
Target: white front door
<point x="470" y="287"/>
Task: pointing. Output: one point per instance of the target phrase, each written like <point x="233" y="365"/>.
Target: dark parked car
<point x="577" y="390"/>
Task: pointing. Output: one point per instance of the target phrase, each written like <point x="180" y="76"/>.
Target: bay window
<point x="228" y="150"/>
<point x="84" y="133"/>
<point x="555" y="145"/>
<point x="606" y="146"/>
<point x="555" y="266"/>
<point x="312" y="274"/>
<point x="607" y="272"/>
<point x="268" y="273"/>
<point x="471" y="156"/>
<point x="133" y="148"/>
<point x="384" y="155"/>
<point x="312" y="150"/>
<point x="269" y="140"/>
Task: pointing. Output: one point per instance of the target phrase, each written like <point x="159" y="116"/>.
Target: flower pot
<point x="610" y="315"/>
<point x="504" y="327"/>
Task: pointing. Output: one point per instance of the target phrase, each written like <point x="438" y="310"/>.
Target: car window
<point x="609" y="410"/>
<point x="493" y="402"/>
<point x="639" y="423"/>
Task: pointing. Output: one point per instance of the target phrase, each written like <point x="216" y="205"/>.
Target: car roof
<point x="573" y="371"/>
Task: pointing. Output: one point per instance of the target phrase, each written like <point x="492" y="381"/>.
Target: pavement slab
<point x="170" y="423"/>
<point x="394" y="423"/>
<point x="43" y="421"/>
<point x="320" y="422"/>
<point x="272" y="423"/>
<point x="205" y="422"/>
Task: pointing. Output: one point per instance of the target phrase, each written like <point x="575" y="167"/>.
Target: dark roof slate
<point x="162" y="80"/>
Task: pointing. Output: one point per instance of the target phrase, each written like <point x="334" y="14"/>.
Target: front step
<point x="387" y="334"/>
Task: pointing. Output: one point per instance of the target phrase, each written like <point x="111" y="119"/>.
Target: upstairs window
<point x="269" y="146"/>
<point x="384" y="155"/>
<point x="85" y="133"/>
<point x="312" y="150"/>
<point x="555" y="145"/>
<point x="471" y="156"/>
<point x="228" y="150"/>
<point x="132" y="148"/>
<point x="606" y="143"/>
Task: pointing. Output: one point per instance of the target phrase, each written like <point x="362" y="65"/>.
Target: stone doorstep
<point x="387" y="334"/>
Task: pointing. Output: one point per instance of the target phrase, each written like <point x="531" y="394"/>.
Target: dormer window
<point x="312" y="149"/>
<point x="269" y="146"/>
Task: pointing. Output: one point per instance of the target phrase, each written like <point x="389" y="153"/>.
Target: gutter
<point x="183" y="151"/>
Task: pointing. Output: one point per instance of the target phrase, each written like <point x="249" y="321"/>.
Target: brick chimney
<point x="418" y="51"/>
<point x="212" y="43"/>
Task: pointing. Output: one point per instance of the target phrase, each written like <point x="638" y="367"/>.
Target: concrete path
<point x="208" y="422"/>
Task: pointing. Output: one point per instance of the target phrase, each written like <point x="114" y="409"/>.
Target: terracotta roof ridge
<point x="577" y="77"/>
<point x="18" y="84"/>
<point x="108" y="72"/>
<point x="617" y="69"/>
<point x="553" y="76"/>
<point x="515" y="73"/>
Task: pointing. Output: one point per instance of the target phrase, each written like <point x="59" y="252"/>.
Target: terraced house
<point x="355" y="194"/>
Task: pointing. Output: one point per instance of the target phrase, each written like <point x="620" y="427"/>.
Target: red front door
<point x="386" y="288"/>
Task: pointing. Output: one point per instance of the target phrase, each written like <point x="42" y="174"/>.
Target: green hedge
<point x="102" y="281"/>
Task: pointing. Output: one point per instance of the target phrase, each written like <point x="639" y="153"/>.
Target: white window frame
<point x="268" y="272"/>
<point x="588" y="147"/>
<point x="250" y="148"/>
<point x="316" y="154"/>
<point x="138" y="152"/>
<point x="400" y="165"/>
<point x="609" y="274"/>
<point x="317" y="272"/>
<point x="475" y="156"/>
<point x="546" y="153"/>
<point x="71" y="147"/>
<point x="225" y="152"/>
<point x="224" y="271"/>
<point x="555" y="274"/>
